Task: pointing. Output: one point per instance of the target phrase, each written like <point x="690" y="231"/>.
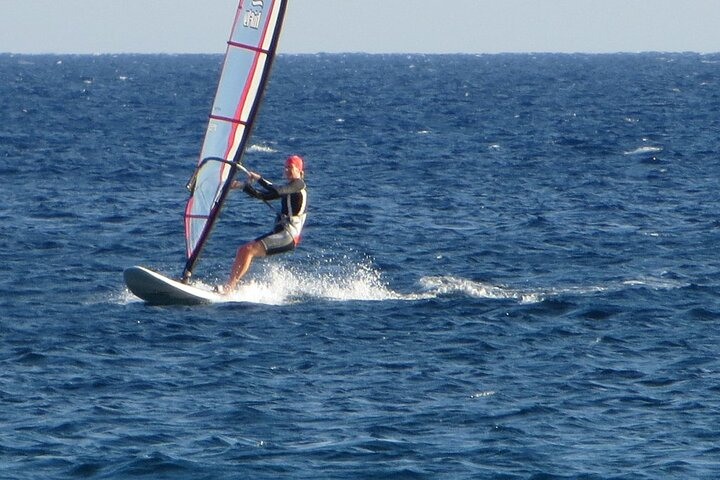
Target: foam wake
<point x="450" y="285"/>
<point x="278" y="283"/>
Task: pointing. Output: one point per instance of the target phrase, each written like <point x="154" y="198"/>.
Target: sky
<point x="373" y="26"/>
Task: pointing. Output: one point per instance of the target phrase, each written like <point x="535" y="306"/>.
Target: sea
<point x="509" y="271"/>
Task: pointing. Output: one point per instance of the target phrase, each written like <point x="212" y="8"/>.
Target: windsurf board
<point x="157" y="289"/>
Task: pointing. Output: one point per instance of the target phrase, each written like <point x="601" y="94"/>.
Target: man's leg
<point x="243" y="259"/>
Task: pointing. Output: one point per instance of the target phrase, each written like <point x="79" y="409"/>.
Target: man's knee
<point x="253" y="248"/>
<point x="258" y="248"/>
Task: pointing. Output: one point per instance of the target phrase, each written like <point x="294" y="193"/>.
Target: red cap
<point x="294" y="161"/>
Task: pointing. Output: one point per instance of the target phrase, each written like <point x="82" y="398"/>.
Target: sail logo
<point x="253" y="17"/>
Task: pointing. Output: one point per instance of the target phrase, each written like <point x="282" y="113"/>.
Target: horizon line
<point x="360" y="52"/>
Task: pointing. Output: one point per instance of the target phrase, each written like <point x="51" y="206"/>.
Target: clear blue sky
<point x="416" y="26"/>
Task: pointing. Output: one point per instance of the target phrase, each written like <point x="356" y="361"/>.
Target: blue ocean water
<point x="509" y="271"/>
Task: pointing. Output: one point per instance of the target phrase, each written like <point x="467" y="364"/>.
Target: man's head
<point x="294" y="162"/>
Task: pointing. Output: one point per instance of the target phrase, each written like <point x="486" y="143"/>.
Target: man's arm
<point x="293" y="186"/>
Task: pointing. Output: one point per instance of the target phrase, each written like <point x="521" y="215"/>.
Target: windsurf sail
<point x="246" y="69"/>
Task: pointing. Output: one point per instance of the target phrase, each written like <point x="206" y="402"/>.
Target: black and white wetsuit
<point x="289" y="222"/>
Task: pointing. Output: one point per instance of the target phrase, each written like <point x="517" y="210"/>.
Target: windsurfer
<point x="285" y="235"/>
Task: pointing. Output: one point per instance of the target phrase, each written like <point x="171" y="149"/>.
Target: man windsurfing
<point x="289" y="223"/>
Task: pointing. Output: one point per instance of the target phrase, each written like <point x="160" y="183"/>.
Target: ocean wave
<point x="255" y="148"/>
<point x="644" y="150"/>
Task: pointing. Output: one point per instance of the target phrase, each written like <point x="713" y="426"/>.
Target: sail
<point x="250" y="52"/>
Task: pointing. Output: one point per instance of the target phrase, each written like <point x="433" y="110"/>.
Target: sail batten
<point x="248" y="47"/>
<point x="248" y="58"/>
<point x="227" y="119"/>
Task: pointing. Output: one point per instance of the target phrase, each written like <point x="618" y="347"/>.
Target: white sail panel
<point x="274" y="19"/>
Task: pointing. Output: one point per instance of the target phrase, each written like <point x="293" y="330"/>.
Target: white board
<point x="157" y="289"/>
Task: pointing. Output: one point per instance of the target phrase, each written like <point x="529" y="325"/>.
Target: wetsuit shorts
<point x="279" y="241"/>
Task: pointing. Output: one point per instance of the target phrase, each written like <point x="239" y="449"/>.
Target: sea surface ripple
<point x="509" y="271"/>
